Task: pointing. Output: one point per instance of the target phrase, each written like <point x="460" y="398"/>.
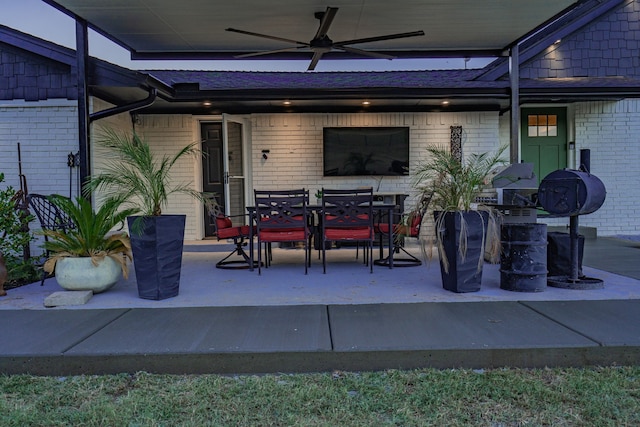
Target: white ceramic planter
<point x="79" y="274"/>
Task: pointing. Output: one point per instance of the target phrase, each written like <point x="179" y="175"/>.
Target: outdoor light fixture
<point x="265" y="154"/>
<point x="286" y="103"/>
<point x="445" y="102"/>
<point x="207" y="103"/>
<point x="366" y="103"/>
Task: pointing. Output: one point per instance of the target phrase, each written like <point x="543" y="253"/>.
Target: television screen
<point x="356" y="151"/>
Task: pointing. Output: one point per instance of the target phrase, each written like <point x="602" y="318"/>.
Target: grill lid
<point x="516" y="175"/>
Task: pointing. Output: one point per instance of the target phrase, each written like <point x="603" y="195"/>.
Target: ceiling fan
<point x="321" y="43"/>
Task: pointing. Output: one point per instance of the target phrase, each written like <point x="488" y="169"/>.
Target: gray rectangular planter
<point x="463" y="274"/>
<point x="157" y="255"/>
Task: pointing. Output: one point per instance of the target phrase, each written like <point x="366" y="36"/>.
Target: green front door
<point x="544" y="139"/>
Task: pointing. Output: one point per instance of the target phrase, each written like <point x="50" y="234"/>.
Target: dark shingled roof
<point x="233" y="80"/>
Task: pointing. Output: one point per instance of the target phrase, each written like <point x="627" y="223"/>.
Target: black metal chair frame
<point x="50" y="218"/>
<point x="282" y="212"/>
<point x="401" y="230"/>
<point x="238" y="233"/>
<point x="347" y="209"/>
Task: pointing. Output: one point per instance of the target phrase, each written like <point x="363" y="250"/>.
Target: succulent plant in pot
<point x="90" y="256"/>
<point x="137" y="176"/>
<point x="450" y="186"/>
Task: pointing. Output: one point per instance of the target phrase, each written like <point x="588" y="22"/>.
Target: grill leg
<point x="573" y="235"/>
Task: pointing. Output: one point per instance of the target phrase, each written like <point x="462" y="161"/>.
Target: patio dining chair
<point x="407" y="226"/>
<point x="347" y="216"/>
<point x="50" y="218"/>
<point x="282" y="216"/>
<point x="226" y="230"/>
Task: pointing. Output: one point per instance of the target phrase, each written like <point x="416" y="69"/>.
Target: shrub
<point x="15" y="235"/>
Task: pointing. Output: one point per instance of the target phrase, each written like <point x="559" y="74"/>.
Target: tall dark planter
<point x="157" y="255"/>
<point x="463" y="274"/>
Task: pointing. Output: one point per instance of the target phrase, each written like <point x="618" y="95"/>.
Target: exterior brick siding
<point x="610" y="130"/>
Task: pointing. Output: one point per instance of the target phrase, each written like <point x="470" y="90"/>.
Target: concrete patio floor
<point x="347" y="281"/>
<point x="348" y="319"/>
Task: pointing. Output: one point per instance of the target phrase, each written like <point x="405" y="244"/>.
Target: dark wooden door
<point x="212" y="168"/>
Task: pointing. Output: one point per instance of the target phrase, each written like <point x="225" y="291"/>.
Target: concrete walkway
<point x="311" y="331"/>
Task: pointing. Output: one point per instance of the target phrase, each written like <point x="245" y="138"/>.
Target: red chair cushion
<point x="296" y="225"/>
<point x="411" y="231"/>
<point x="233" y="232"/>
<point x="382" y="228"/>
<point x="359" y="233"/>
<point x="223" y="222"/>
<point x="415" y="225"/>
<point x="282" y="235"/>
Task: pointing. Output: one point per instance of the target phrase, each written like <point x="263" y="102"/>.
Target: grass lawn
<point x="498" y="397"/>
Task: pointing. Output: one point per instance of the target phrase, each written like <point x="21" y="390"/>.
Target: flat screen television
<point x="358" y="151"/>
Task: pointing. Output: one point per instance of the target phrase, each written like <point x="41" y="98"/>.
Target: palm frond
<point x="91" y="236"/>
<point x="133" y="174"/>
<point x="448" y="184"/>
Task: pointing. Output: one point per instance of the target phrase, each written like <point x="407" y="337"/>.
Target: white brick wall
<point x="166" y="134"/>
<point x="611" y="130"/>
<point x="47" y="133"/>
<point x="295" y="144"/>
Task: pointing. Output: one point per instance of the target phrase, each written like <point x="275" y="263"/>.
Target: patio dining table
<point x="383" y="210"/>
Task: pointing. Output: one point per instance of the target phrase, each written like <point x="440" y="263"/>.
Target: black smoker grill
<point x="516" y="187"/>
<point x="570" y="193"/>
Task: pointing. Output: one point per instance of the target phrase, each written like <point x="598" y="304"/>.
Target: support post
<point x="514" y="79"/>
<point x="82" y="61"/>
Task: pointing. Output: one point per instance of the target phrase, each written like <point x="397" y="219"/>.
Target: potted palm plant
<point x="89" y="256"/>
<point x="450" y="187"/>
<point x="136" y="176"/>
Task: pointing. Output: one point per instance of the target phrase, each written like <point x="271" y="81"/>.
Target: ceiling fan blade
<point x="265" y="36"/>
<point x="314" y="60"/>
<point x="365" y="52"/>
<point x="268" y="52"/>
<point x="379" y="38"/>
<point x="325" y="22"/>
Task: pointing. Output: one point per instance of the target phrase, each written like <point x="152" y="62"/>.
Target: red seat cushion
<point x="404" y="230"/>
<point x="359" y="233"/>
<point x="233" y="232"/>
<point x="282" y="235"/>
<point x="223" y="222"/>
<point x="382" y="228"/>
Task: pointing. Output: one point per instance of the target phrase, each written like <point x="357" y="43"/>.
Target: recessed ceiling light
<point x="286" y="103"/>
<point x="207" y="103"/>
<point x="445" y="102"/>
<point x="365" y="103"/>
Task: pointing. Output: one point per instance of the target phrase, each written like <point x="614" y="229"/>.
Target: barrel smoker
<point x="523" y="256"/>
<point x="571" y="193"/>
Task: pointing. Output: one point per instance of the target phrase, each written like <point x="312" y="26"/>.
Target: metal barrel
<point x="523" y="260"/>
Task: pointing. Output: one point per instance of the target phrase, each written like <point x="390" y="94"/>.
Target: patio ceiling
<point x="185" y="29"/>
<point x="196" y="29"/>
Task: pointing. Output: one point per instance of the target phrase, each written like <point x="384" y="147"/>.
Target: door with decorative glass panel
<point x="544" y="139"/>
<point x="224" y="165"/>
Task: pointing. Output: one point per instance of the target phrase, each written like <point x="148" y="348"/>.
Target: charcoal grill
<point x="571" y="193"/>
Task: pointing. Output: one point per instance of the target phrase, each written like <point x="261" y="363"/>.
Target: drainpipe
<point x="127" y="107"/>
